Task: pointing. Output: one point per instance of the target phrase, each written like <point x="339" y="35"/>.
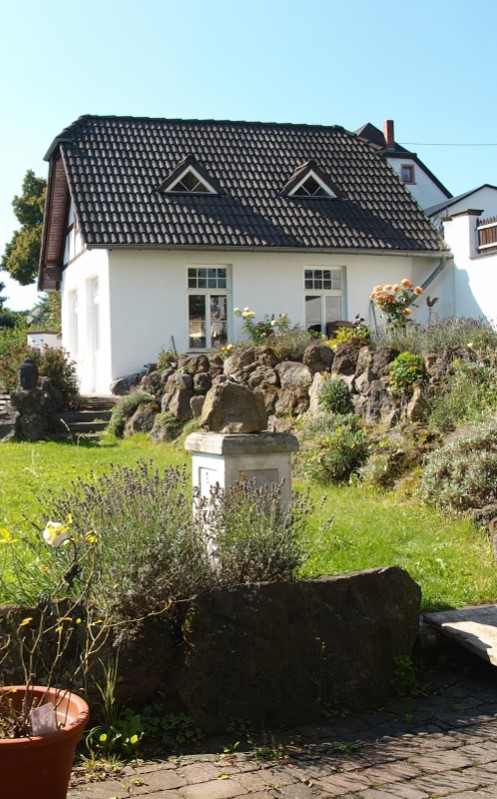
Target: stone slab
<point x="475" y="628"/>
<point x="236" y="443"/>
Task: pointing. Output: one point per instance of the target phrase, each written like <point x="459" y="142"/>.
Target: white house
<point x="412" y="172"/>
<point x="155" y="230"/>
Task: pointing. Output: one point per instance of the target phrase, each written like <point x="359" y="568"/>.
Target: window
<point x="323" y="293"/>
<point x="407" y="173"/>
<point x="190" y="182"/>
<point x="207" y="307"/>
<point x="311" y="186"/>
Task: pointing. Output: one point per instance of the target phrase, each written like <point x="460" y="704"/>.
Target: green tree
<point x="7" y="317"/>
<point x="46" y="313"/>
<point x="22" y="252"/>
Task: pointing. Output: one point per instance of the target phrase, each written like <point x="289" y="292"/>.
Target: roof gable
<point x="190" y="177"/>
<point x="118" y="169"/>
<point x="309" y="180"/>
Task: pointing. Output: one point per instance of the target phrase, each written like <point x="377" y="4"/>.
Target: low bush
<point x="13" y="350"/>
<point x="334" y="396"/>
<point x="335" y="446"/>
<point x="436" y="337"/>
<point x="405" y="371"/>
<point x="255" y="537"/>
<point x="124" y="409"/>
<point x="467" y="397"/>
<point x="152" y="550"/>
<point x="463" y="474"/>
<point x="58" y="366"/>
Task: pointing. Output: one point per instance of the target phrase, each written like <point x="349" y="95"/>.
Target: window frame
<point x="321" y="292"/>
<point x="410" y="168"/>
<point x="208" y="291"/>
<point x="189" y="169"/>
<point x="328" y="193"/>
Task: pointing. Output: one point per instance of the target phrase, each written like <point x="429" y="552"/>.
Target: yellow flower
<point x="236" y="310"/>
<point x="5" y="536"/>
<point x="26" y="621"/>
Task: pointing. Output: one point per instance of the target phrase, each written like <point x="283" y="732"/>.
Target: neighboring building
<point x="155" y="230"/>
<point x="469" y="224"/>
<point x="484" y="198"/>
<point x="422" y="183"/>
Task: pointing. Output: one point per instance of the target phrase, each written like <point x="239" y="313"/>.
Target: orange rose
<point x="396" y="287"/>
<point x="418" y="290"/>
<point x="406" y="311"/>
<point x="387" y="287"/>
<point x="407" y="284"/>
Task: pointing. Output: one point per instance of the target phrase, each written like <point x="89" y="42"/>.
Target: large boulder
<point x="318" y="357"/>
<point x="346" y="356"/>
<point x="232" y="408"/>
<point x="293" y="374"/>
<point x="280" y="653"/>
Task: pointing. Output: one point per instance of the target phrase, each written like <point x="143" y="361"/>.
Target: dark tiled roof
<point x="115" y="167"/>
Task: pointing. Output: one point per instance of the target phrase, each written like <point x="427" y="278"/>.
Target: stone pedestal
<point x="226" y="458"/>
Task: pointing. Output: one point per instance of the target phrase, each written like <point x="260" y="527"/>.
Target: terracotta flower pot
<point x="40" y="767"/>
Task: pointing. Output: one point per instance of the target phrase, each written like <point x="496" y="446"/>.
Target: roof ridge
<point x="210" y="120"/>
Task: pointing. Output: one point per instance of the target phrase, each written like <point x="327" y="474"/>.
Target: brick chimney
<point x="388" y="133"/>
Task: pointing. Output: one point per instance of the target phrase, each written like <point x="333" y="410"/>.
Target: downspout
<point x="431" y="277"/>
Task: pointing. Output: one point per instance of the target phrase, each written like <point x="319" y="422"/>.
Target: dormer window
<point x="190" y="177"/>
<point x="311" y="188"/>
<point x="308" y="181"/>
<point x="190" y="183"/>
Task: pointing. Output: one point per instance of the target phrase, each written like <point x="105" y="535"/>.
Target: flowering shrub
<point x="258" y="332"/>
<point x="394" y="301"/>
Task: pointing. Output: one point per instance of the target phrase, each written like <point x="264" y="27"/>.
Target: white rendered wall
<point x="475" y="276"/>
<point x="144" y="300"/>
<point x="423" y="189"/>
<point x="93" y="369"/>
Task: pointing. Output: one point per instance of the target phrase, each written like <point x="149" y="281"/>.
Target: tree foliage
<point x="22" y="252"/>
<point x="46" y="314"/>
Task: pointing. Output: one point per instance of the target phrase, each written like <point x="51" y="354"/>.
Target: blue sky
<point x="429" y="66"/>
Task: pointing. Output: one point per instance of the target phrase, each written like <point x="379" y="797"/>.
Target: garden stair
<point x="87" y="418"/>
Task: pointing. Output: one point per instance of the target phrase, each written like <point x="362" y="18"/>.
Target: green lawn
<point x="451" y="560"/>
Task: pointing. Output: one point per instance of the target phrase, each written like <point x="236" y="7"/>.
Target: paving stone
<point x="441" y="761"/>
<point x="200" y="772"/>
<point x="214" y="789"/>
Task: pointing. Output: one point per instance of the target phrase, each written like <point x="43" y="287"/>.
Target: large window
<point x="207" y="307"/>
<point x="323" y="291"/>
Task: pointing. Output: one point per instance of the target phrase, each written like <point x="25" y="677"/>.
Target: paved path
<point x="437" y="745"/>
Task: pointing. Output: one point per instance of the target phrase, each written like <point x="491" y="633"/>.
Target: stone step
<point x="474" y="628"/>
<point x="87" y="416"/>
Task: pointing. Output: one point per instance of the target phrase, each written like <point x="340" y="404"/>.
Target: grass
<point x="449" y="558"/>
<point x="26" y="469"/>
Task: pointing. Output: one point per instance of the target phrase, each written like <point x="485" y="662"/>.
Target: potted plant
<point x="42" y="720"/>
